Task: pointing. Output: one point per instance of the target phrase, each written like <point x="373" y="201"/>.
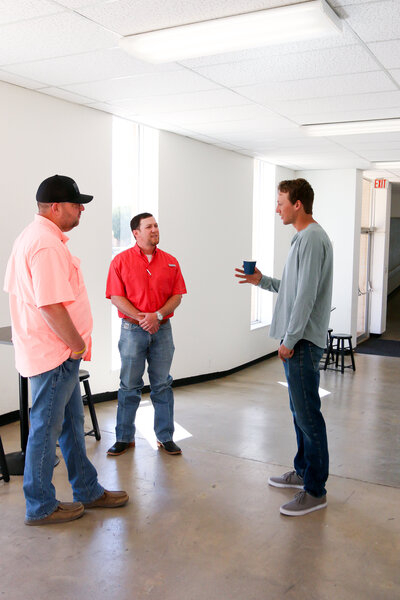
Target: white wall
<point x="395" y="202"/>
<point x="41" y="136"/>
<point x="337" y="207"/>
<point x="205" y="217"/>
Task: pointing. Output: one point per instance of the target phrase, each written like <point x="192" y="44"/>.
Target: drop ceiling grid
<point x="69" y="49"/>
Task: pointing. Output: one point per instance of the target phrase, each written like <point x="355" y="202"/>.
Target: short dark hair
<point x="135" y="222"/>
<point x="298" y="189"/>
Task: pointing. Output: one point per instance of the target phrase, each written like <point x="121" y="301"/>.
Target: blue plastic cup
<point x="248" y="266"/>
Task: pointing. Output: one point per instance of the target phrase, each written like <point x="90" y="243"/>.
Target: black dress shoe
<point x="169" y="447"/>
<point x="120" y="448"/>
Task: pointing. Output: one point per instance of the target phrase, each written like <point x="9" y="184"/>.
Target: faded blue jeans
<point x="312" y="460"/>
<point x="135" y="347"/>
<point x="57" y="414"/>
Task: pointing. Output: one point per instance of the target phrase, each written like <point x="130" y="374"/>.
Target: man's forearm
<point x="58" y="319"/>
<point x="170" y="305"/>
<point x="126" y="307"/>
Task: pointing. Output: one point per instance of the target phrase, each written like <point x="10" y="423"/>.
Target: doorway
<point x="364" y="278"/>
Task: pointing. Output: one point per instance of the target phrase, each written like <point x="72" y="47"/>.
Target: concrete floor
<point x="205" y="525"/>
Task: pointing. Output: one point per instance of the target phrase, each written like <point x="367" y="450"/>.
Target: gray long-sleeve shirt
<point x="303" y="307"/>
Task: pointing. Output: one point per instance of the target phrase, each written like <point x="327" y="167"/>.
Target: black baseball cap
<point x="60" y="188"/>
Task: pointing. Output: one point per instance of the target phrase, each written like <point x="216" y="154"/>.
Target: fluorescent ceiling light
<point x="352" y="127"/>
<point x="260" y="28"/>
<point x="395" y="164"/>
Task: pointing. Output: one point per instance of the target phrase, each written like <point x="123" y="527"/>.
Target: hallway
<point x="205" y="525"/>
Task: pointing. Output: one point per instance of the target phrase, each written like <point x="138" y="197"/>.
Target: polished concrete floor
<point x="205" y="525"/>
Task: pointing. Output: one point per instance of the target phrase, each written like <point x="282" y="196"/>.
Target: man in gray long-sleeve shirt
<point x="300" y="321"/>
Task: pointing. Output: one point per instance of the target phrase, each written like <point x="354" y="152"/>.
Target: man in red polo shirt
<point x="146" y="285"/>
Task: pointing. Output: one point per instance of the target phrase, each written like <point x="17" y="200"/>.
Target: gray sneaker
<point x="287" y="480"/>
<point x="302" y="504"/>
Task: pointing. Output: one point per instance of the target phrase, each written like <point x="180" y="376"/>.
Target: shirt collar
<point x="141" y="253"/>
<point x="51" y="227"/>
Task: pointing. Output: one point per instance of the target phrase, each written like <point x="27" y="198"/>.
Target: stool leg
<point x="352" y="356"/>
<point x="329" y="352"/>
<point x="337" y="353"/>
<point x="3" y="464"/>
<point x="342" y="355"/>
<point x="92" y="411"/>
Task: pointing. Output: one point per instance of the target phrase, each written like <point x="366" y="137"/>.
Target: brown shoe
<point x="65" y="511"/>
<point x="108" y="500"/>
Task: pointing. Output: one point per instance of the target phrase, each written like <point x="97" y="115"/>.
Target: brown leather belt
<point x="135" y="322"/>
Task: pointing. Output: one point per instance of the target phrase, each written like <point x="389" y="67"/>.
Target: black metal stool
<point x="341" y="349"/>
<point x="4" y="474"/>
<point x="87" y="399"/>
<point x="328" y="354"/>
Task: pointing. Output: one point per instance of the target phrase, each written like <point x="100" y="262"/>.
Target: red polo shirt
<point x="147" y="285"/>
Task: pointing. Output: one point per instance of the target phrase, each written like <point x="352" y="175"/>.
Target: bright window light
<point x="264" y="195"/>
<point x="352" y="127"/>
<point x="134" y="190"/>
<point x="145" y="425"/>
<point x="251" y="30"/>
<point x="321" y="391"/>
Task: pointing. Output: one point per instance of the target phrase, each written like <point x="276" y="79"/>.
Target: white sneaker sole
<point x="284" y="485"/>
<point x="300" y="513"/>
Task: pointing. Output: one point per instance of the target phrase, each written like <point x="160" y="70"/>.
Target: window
<point x="134" y="190"/>
<point x="264" y="199"/>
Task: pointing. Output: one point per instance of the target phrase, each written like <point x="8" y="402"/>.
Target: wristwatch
<point x="159" y="316"/>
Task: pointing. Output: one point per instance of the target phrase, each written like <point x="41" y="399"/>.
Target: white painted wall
<point x="205" y="217"/>
<point x="41" y="136"/>
<point x="337" y="207"/>
<point x="395" y="201"/>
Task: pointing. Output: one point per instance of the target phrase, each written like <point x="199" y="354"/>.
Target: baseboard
<point x="106" y="396"/>
<point x="13" y="416"/>
<point x="10" y="417"/>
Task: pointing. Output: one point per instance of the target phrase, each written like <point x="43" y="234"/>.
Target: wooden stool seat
<point x="87" y="399"/>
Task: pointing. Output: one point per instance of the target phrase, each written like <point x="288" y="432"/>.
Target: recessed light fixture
<point x="395" y="164"/>
<point x="295" y="22"/>
<point x="352" y="127"/>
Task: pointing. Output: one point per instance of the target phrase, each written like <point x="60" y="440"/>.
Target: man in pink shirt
<point x="51" y="331"/>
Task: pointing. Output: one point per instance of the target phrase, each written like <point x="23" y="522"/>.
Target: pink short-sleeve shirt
<point x="42" y="271"/>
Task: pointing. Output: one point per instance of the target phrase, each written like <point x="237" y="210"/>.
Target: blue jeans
<point x="312" y="460"/>
<point x="57" y="414"/>
<point x="135" y="347"/>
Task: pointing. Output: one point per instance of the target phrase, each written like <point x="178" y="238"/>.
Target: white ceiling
<point x="252" y="101"/>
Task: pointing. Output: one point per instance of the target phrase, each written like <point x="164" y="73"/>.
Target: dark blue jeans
<point x="312" y="459"/>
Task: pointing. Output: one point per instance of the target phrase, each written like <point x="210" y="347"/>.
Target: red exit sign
<point x="380" y="183"/>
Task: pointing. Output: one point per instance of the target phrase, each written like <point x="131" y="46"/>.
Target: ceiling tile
<point x="21" y="81"/>
<point x="128" y="18"/>
<point x="396" y="75"/>
<point x="219" y="115"/>
<point x="337" y="61"/>
<point x="12" y="11"/>
<point x="388" y="53"/>
<point x="347" y="115"/>
<point x="374" y="21"/>
<point x="318" y="88"/>
<point x="65" y="95"/>
<point x="345" y="38"/>
<point x="184" y="101"/>
<point x="110" y="63"/>
<point x="48" y="37"/>
<point x="143" y="85"/>
<point x="339" y="103"/>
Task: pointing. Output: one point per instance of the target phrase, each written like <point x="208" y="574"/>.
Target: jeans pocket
<point x="315" y="354"/>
